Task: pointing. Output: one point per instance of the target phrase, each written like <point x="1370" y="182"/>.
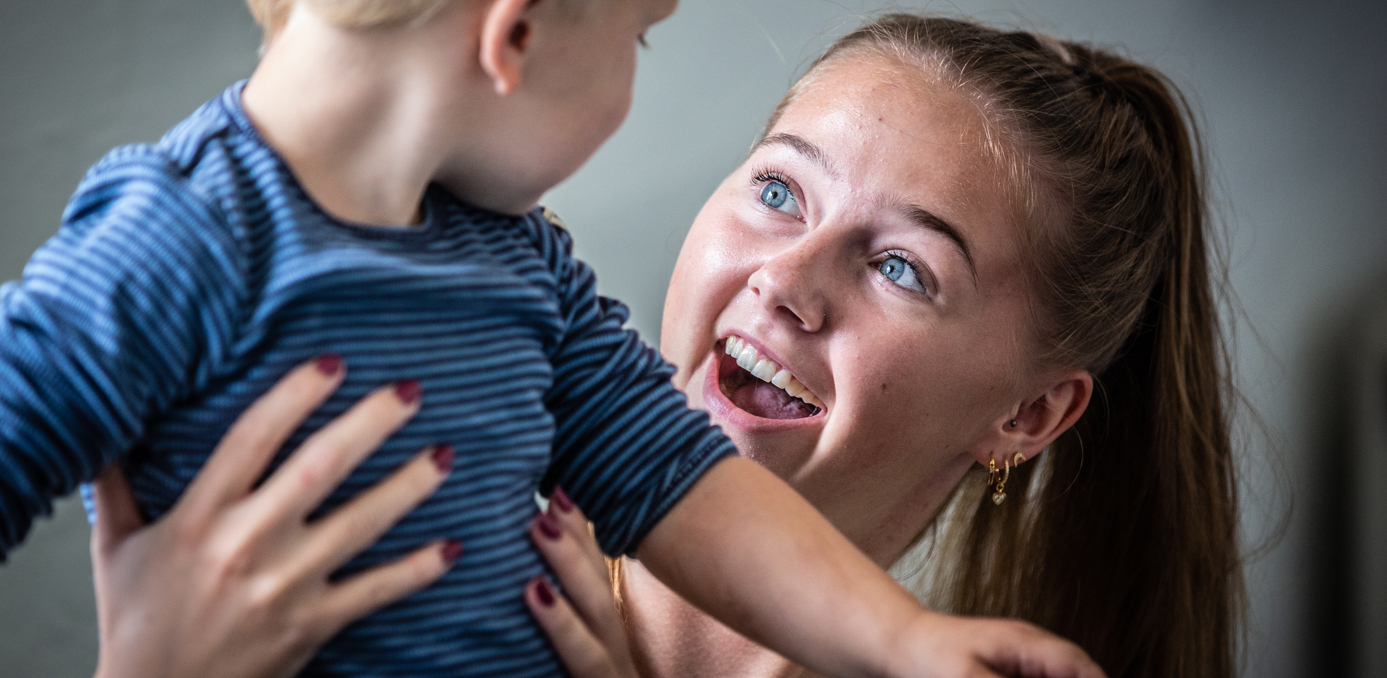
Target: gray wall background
<point x="1292" y="95"/>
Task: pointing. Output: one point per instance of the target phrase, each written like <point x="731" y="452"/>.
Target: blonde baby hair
<point x="271" y="14"/>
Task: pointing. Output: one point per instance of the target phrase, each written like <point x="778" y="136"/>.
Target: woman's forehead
<point x="875" y="104"/>
<point x="893" y="132"/>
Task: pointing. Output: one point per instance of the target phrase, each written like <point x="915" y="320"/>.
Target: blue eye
<point x="776" y="195"/>
<point x="901" y="272"/>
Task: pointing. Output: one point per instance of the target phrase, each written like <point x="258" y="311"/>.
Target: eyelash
<point x="767" y="174"/>
<point x="917" y="267"/>
<point x="764" y="175"/>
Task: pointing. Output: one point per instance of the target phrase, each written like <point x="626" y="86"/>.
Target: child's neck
<point x="355" y="120"/>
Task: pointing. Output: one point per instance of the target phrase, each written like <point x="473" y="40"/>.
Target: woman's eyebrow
<point x="800" y="145"/>
<point x="926" y="219"/>
<point x="914" y="213"/>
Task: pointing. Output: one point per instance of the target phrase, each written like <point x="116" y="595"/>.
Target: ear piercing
<point x="997" y="480"/>
<point x="1013" y="423"/>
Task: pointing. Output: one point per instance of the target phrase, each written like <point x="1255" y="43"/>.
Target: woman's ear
<point x="1037" y="421"/>
<point x="505" y="43"/>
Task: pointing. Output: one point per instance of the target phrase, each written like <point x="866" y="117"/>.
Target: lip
<point x="719" y="406"/>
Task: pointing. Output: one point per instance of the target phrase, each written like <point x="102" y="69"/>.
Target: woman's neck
<point x="672" y="639"/>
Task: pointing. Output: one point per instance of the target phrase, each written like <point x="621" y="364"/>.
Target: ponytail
<point x="1123" y="535"/>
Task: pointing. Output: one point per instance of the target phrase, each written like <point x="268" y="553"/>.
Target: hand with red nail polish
<point x="443" y="458"/>
<point x="233" y="581"/>
<point x="560" y="499"/>
<point x="409" y="391"/>
<point x="582" y="621"/>
<point x="452" y="550"/>
<point x="544" y="593"/>
<point x="548" y="527"/>
<point x="329" y="364"/>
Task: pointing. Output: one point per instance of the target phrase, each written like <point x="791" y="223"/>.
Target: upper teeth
<point x="765" y="369"/>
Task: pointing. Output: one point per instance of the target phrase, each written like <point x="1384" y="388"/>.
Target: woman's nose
<point x="789" y="286"/>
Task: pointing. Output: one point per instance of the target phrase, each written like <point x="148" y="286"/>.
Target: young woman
<point x="974" y="246"/>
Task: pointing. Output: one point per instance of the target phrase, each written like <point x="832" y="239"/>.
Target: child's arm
<point x="746" y="548"/>
<point x="116" y="318"/>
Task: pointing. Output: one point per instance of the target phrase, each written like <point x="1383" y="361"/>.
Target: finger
<point x="1048" y="656"/>
<point x="575" y="523"/>
<point x="373" y="589"/>
<point x="347" y="531"/>
<point x="250" y="443"/>
<point x="1031" y="651"/>
<point x="1057" y="658"/>
<point x="320" y="464"/>
<point x="583" y="576"/>
<point x="581" y="651"/>
<point x="117" y="513"/>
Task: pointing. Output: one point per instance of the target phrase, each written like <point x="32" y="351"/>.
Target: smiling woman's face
<point x="867" y="250"/>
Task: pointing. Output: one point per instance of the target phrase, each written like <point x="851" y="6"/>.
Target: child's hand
<point x="582" y="622"/>
<point x="945" y="646"/>
<point x="233" y="582"/>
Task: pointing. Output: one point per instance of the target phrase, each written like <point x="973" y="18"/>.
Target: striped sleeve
<point x="627" y="447"/>
<point x="116" y="317"/>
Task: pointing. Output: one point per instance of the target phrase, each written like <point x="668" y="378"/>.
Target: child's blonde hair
<point x="271" y="14"/>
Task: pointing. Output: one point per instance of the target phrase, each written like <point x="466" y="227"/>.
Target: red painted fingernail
<point x="543" y="592"/>
<point x="561" y="500"/>
<point x="451" y="551"/>
<point x="329" y="364"/>
<point x="548" y="527"/>
<point x="443" y="456"/>
<point x="408" y="391"/>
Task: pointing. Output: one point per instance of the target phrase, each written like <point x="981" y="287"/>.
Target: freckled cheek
<point x="707" y="277"/>
<point x="923" y="386"/>
<point x="724" y="255"/>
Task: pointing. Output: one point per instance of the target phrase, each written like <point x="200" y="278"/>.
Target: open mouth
<point x="760" y="386"/>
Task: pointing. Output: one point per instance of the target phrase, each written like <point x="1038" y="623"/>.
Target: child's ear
<point x="505" y="42"/>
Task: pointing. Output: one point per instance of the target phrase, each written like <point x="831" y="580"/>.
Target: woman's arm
<point x="233" y="582"/>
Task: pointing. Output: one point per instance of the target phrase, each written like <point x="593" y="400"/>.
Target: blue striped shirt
<point x="189" y="275"/>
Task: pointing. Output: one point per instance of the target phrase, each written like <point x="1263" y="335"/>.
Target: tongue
<point x="766" y="401"/>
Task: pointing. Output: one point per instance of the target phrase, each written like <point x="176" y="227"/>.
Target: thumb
<point x="117" y="514"/>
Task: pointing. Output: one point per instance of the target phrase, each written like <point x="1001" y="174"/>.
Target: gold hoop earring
<point x="999" y="494"/>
